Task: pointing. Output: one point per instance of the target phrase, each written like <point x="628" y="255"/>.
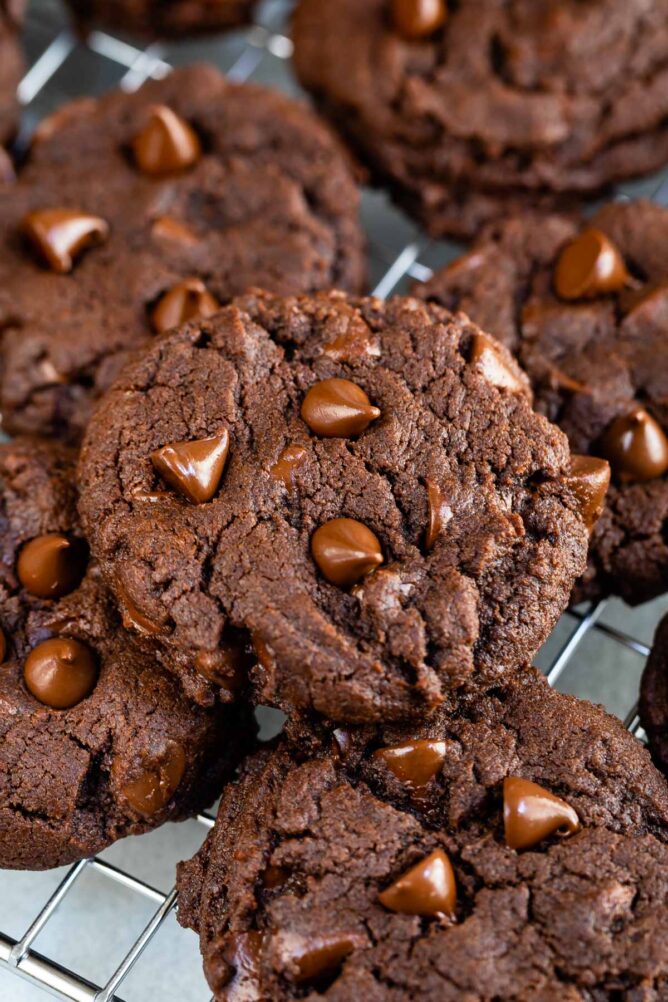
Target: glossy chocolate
<point x="589" y="480"/>
<point x="166" y="145"/>
<point x="287" y="464"/>
<point x="60" y="235"/>
<point x="168" y="228"/>
<point x="439" y="514"/>
<point x="189" y="300"/>
<point x="317" y="956"/>
<point x="345" y="551"/>
<point x="337" y="408"/>
<point x="241" y="953"/>
<point x="426" y="889"/>
<point x="415" y="19"/>
<point x="51" y="566"/>
<point x="636" y="446"/>
<point x="589" y="266"/>
<point x="487" y="357"/>
<point x="132" y="616"/>
<point x="154" y="788"/>
<point x="531" y="814"/>
<point x="194" y="469"/>
<point x="414" y="763"/>
<point x="60" y="672"/>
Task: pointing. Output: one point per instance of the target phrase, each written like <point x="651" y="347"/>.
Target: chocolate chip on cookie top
<point x="519" y="821"/>
<point x="354" y="484"/>
<point x="137" y="212"/>
<point x="97" y="741"/>
<point x="469" y="111"/>
<point x="584" y="308"/>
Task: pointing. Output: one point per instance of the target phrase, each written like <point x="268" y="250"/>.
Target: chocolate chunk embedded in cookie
<point x="513" y="847"/>
<point x="362" y="487"/>
<point x="468" y="111"/>
<point x="584" y="307"/>
<point x="155" y="18"/>
<point x="97" y="741"/>
<point x="139" y="211"/>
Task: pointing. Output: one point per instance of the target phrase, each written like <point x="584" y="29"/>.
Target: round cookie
<point x="468" y="111"/>
<point x="595" y="356"/>
<point x="11" y="69"/>
<point x="363" y="487"/>
<point x="137" y="211"/>
<point x="97" y="741"/>
<point x="155" y="18"/>
<point x="513" y="847"/>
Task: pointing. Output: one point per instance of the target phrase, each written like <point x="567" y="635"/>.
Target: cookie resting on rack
<point x="584" y="307"/>
<point x="158" y="19"/>
<point x="513" y="847"/>
<point x="362" y="487"/>
<point x="97" y="741"/>
<point x="468" y="111"/>
<point x="138" y="211"/>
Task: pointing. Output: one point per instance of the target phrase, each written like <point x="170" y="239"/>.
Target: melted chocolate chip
<point x="531" y="814"/>
<point x="427" y="889"/>
<point x="416" y="19"/>
<point x="414" y="763"/>
<point x="168" y="228"/>
<point x="345" y="551"/>
<point x="309" y="959"/>
<point x="133" y="616"/>
<point x="337" y="408"/>
<point x="636" y="446"/>
<point x="60" y="235"/>
<point x="289" y="461"/>
<point x="50" y="566"/>
<point x="589" y="266"/>
<point x="189" y="300"/>
<point x="60" y="672"/>
<point x="589" y="480"/>
<point x="241" y="953"/>
<point x="155" y="787"/>
<point x="166" y="145"/>
<point x="440" y="514"/>
<point x="194" y="469"/>
<point x="487" y="357"/>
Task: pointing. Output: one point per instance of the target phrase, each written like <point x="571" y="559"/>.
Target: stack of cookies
<point x="235" y="480"/>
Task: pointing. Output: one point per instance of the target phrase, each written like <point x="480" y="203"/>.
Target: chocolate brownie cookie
<point x="471" y="110"/>
<point x="137" y="211"/>
<point x="362" y="486"/>
<point x="513" y="847"/>
<point x="96" y="740"/>
<point x="654" y="696"/>
<point x="163" y="18"/>
<point x="584" y="307"/>
<point x="11" y="68"/>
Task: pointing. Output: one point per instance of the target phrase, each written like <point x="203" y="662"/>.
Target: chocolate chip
<point x="531" y="814"/>
<point x="345" y="551"/>
<point x="60" y="672"/>
<point x="166" y="145"/>
<point x="168" y="228"/>
<point x="287" y="464"/>
<point x="416" y="19"/>
<point x="241" y="953"/>
<point x="636" y="446"/>
<point x="189" y="300"/>
<point x="156" y="786"/>
<point x="589" y="266"/>
<point x="589" y="480"/>
<point x="414" y="763"/>
<point x="337" y="408"/>
<point x="427" y="889"/>
<point x="194" y="469"/>
<point x="50" y="566"/>
<point x="132" y="616"/>
<point x="356" y="343"/>
<point x="274" y="876"/>
<point x="440" y="514"/>
<point x="488" y="358"/>
<point x="310" y="958"/>
<point x="60" y="235"/>
<point x="227" y="666"/>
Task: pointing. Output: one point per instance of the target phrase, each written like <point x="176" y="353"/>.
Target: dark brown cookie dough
<point x="592" y="358"/>
<point x="294" y="893"/>
<point x="654" y="696"/>
<point x="158" y="216"/>
<point x="11" y="68"/>
<point x="463" y="534"/>
<point x="495" y="107"/>
<point x="163" y="18"/>
<point x="96" y="739"/>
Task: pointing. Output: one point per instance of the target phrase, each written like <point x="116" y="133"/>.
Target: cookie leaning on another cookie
<point x="512" y="847"/>
<point x="97" y="741"/>
<point x="361" y="486"/>
<point x="585" y="308"/>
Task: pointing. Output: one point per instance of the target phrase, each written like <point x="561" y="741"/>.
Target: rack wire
<point x="596" y="651"/>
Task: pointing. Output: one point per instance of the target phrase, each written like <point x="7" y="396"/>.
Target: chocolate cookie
<point x="96" y="740"/>
<point x="11" y="68"/>
<point x="511" y="848"/>
<point x="157" y="18"/>
<point x="584" y="307"/>
<point x="138" y="211"/>
<point x="470" y="110"/>
<point x="654" y="696"/>
<point x="361" y="486"/>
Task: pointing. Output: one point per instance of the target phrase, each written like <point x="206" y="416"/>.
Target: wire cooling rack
<point x="104" y="929"/>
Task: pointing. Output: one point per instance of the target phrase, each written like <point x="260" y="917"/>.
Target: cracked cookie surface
<point x="388" y="518"/>
<point x="224" y="187"/>
<point x="155" y="18"/>
<point x="325" y="829"/>
<point x="501" y="107"/>
<point x="129" y="752"/>
<point x="590" y="360"/>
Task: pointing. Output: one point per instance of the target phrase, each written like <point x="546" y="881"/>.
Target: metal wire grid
<point x="398" y="253"/>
